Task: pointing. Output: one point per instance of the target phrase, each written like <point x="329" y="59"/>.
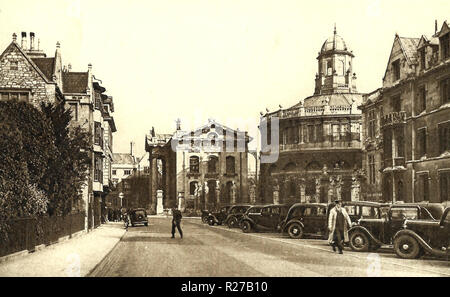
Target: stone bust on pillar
<point x="233" y="192"/>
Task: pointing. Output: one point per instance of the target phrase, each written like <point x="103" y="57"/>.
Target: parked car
<point x="372" y="233"/>
<point x="235" y="214"/>
<point x="267" y="219"/>
<point x="418" y="237"/>
<point x="138" y="216"/>
<point x="253" y="209"/>
<point x="311" y="219"/>
<point x="218" y="217"/>
<point x="205" y="215"/>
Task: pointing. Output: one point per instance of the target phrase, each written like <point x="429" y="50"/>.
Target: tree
<point x="18" y="197"/>
<point x="36" y="136"/>
<point x="68" y="168"/>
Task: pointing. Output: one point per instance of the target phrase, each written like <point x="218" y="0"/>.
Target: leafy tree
<point x="69" y="166"/>
<point x="18" y="197"/>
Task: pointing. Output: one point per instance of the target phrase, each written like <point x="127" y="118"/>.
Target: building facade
<point x="320" y="146"/>
<point x="212" y="166"/>
<point x="413" y="106"/>
<point x="26" y="73"/>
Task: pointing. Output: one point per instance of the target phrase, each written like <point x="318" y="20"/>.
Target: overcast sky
<point x="227" y="60"/>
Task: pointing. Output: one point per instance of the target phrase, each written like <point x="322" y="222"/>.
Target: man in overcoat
<point x="176" y="220"/>
<point x="338" y="224"/>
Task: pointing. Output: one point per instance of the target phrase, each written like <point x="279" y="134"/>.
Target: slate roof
<point x="409" y="46"/>
<point x="120" y="158"/>
<point x="46" y="65"/>
<point x="75" y="82"/>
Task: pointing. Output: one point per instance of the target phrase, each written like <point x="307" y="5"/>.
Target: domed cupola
<point x="335" y="74"/>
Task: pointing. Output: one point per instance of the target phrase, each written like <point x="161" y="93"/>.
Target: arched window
<point x="192" y="187"/>
<point x="212" y="164"/>
<point x="194" y="164"/>
<point x="231" y="168"/>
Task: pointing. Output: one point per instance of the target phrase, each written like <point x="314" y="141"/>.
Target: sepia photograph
<point x="221" y="147"/>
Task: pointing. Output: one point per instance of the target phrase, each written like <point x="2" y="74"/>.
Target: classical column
<point x="154" y="180"/>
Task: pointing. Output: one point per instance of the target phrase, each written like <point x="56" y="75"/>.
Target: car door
<point x="397" y="217"/>
<point x="444" y="230"/>
<point x="308" y="219"/>
<point x="264" y="220"/>
<point x="274" y="218"/>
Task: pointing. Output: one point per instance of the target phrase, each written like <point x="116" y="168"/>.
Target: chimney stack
<point x="31" y="41"/>
<point x="14" y="37"/>
<point x="435" y="26"/>
<point x="23" y="43"/>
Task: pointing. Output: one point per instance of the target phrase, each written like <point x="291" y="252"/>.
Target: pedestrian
<point x="176" y="220"/>
<point x="338" y="224"/>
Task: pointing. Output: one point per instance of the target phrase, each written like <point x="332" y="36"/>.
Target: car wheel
<point x="295" y="230"/>
<point x="204" y="220"/>
<point x="359" y="241"/>
<point x="246" y="227"/>
<point x="406" y="247"/>
<point x="232" y="223"/>
<point x="211" y="222"/>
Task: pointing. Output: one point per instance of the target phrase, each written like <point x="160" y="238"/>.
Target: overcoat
<point x="332" y="223"/>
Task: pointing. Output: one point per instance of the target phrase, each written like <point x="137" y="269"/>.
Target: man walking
<point x="338" y="224"/>
<point x="176" y="220"/>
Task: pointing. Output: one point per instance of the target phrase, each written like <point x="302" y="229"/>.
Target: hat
<point x="337" y="201"/>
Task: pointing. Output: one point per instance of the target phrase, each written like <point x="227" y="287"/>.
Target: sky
<point x="224" y="60"/>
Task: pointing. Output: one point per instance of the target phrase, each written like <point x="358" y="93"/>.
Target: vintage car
<point x="267" y="219"/>
<point x="235" y="214"/>
<point x="418" y="237"/>
<point x="371" y="233"/>
<point x="205" y="215"/>
<point x="218" y="217"/>
<point x="311" y="219"/>
<point x="253" y="209"/>
<point x="138" y="216"/>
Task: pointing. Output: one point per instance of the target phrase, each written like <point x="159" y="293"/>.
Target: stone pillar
<point x="339" y="187"/>
<point x="217" y="202"/>
<point x="302" y="190"/>
<point x="206" y="196"/>
<point x="331" y="185"/>
<point x="159" y="204"/>
<point x="154" y="181"/>
<point x="356" y="189"/>
<point x="317" y="195"/>
<point x="181" y="201"/>
<point x="252" y="193"/>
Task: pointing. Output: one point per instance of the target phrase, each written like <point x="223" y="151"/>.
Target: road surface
<point x="220" y="251"/>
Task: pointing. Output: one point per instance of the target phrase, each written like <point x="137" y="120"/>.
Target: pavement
<point x="74" y="257"/>
<point x="223" y="252"/>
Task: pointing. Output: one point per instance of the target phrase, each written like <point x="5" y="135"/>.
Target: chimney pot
<point x="14" y="37"/>
<point x="58" y="45"/>
<point x="31" y="40"/>
<point x="23" y="42"/>
<point x="90" y="66"/>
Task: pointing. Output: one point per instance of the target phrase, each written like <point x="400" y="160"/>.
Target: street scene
<point x="225" y="139"/>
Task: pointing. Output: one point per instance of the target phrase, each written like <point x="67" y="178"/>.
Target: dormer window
<point x="422" y="58"/>
<point x="445" y="46"/>
<point x="396" y="69"/>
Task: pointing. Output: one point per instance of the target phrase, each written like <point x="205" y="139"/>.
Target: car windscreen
<point x="400" y="213"/>
<point x="138" y="213"/>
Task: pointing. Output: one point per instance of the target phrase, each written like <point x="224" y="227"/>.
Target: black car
<point x="138" y="216"/>
<point x="311" y="219"/>
<point x="267" y="219"/>
<point x="424" y="236"/>
<point x="235" y="214"/>
<point x="218" y="217"/>
<point x="253" y="209"/>
<point x="372" y="233"/>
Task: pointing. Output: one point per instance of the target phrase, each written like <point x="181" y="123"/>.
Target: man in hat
<point x="338" y="224"/>
<point x="176" y="220"/>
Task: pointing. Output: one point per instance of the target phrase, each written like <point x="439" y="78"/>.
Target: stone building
<point x="123" y="165"/>
<point x="319" y="138"/>
<point x="26" y="73"/>
<point x="414" y="107"/>
<point x="212" y="166"/>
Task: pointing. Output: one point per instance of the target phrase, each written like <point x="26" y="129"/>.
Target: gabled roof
<point x="33" y="64"/>
<point x="75" y="82"/>
<point x="444" y="29"/>
<point x="46" y="65"/>
<point x="408" y="47"/>
<point x="120" y="158"/>
<point x="212" y="124"/>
